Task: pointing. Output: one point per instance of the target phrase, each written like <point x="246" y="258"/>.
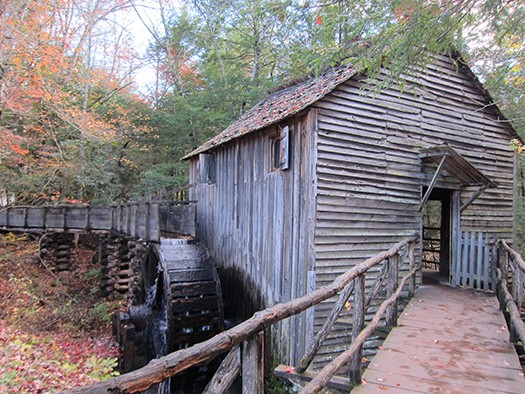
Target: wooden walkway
<point x="448" y="340"/>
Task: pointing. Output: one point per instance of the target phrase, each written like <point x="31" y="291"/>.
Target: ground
<point x="55" y="330"/>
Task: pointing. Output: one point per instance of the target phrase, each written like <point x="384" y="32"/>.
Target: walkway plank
<point x="448" y="340"/>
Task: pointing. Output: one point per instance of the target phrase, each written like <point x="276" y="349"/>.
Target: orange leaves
<point x="18" y="149"/>
<point x="12" y="143"/>
<point x="64" y="105"/>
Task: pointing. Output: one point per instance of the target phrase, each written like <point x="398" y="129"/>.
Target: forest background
<point x="87" y="115"/>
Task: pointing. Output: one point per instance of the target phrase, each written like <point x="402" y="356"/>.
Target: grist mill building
<point x="327" y="172"/>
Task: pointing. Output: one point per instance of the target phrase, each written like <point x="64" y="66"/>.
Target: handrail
<point x="512" y="302"/>
<point x="515" y="255"/>
<point x="202" y="353"/>
<point x="323" y="377"/>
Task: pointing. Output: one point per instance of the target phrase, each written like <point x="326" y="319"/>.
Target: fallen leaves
<point x="54" y="362"/>
<point x="43" y="349"/>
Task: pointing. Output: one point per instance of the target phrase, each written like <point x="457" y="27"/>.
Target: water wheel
<point x="180" y="305"/>
<point x="191" y="291"/>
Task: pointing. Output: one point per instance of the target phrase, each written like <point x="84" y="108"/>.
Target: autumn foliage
<point x="65" y="109"/>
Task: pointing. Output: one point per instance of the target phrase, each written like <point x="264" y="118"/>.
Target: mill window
<point x="280" y="149"/>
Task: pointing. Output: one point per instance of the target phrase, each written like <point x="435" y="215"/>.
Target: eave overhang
<point x="450" y="161"/>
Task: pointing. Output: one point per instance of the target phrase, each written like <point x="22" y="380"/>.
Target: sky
<point x="140" y="22"/>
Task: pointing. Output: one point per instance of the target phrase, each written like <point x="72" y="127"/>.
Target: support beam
<point x="474" y="196"/>
<point x="327" y="326"/>
<point x="226" y="374"/>
<point x="433" y="182"/>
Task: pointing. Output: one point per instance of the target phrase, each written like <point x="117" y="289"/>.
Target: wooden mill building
<point x="323" y="174"/>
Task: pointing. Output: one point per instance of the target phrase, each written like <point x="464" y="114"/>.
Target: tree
<point x="61" y="123"/>
<point x="215" y="59"/>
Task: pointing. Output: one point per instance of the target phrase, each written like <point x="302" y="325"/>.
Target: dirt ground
<point x="55" y="330"/>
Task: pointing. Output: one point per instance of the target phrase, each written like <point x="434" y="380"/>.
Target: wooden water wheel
<point x="180" y="304"/>
<point x="191" y="291"/>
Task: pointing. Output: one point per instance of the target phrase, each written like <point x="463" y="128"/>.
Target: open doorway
<point x="437" y="235"/>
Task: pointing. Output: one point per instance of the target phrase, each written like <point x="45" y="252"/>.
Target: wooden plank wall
<point x="144" y="220"/>
<point x="258" y="225"/>
<point x="370" y="176"/>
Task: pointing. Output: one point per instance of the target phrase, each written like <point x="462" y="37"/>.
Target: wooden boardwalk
<point x="448" y="340"/>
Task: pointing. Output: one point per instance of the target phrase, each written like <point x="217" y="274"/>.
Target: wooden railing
<point x="244" y="342"/>
<point x="146" y="220"/>
<point x="511" y="265"/>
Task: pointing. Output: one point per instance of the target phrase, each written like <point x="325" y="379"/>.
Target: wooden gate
<point x="474" y="265"/>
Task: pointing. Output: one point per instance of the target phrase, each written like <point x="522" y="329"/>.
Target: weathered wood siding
<point x="149" y="220"/>
<point x="370" y="176"/>
<point x="259" y="224"/>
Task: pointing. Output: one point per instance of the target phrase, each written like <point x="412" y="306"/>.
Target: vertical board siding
<point x="259" y="224"/>
<point x="370" y="175"/>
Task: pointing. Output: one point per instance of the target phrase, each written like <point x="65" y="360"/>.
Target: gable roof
<point x="291" y="100"/>
<point x="279" y="106"/>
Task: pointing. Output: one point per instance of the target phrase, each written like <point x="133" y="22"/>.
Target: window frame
<point x="280" y="149"/>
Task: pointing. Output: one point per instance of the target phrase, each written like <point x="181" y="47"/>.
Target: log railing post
<point x="517" y="284"/>
<point x="253" y="364"/>
<point x="358" y="322"/>
<point x="503" y="264"/>
<point x="412" y="262"/>
<point x="506" y="265"/>
<point x="391" y="286"/>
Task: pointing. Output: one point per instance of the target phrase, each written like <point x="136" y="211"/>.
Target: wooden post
<point x="517" y="285"/>
<point x="25" y="217"/>
<point x="147" y="222"/>
<point x="358" y="322"/>
<point x="88" y="218"/>
<point x="412" y="258"/>
<point x="504" y="267"/>
<point x="391" y="286"/>
<point x="155" y="230"/>
<point x="253" y="364"/>
<point x="136" y="213"/>
<point x="64" y="218"/>
<point x="112" y="215"/>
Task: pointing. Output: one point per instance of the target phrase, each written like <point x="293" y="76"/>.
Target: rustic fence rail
<point x="511" y="265"/>
<point x="244" y="342"/>
<point x="146" y="220"/>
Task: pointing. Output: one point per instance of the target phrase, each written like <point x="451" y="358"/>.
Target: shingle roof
<point x="279" y="105"/>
